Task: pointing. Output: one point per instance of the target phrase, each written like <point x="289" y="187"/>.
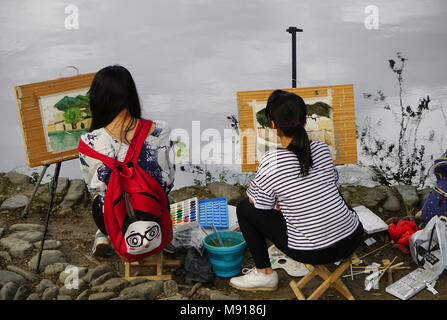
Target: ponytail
<point x="300" y="146"/>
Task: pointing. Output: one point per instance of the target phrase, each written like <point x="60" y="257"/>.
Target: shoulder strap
<point x="137" y="142"/>
<point x="88" y="151"/>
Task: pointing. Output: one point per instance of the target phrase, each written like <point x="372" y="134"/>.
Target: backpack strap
<point x="88" y="151"/>
<point x="138" y="139"/>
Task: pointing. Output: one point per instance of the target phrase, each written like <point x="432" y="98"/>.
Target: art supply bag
<point x="436" y="203"/>
<point x="136" y="209"/>
<point x="428" y="246"/>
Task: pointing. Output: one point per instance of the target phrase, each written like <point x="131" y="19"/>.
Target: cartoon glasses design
<point x="136" y="239"/>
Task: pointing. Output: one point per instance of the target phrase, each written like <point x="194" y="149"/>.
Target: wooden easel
<point x="156" y="260"/>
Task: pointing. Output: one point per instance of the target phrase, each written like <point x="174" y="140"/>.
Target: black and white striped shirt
<point x="315" y="213"/>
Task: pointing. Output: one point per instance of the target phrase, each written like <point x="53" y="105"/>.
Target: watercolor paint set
<point x="184" y="214"/>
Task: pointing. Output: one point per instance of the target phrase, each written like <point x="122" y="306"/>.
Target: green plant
<point x="404" y="162"/>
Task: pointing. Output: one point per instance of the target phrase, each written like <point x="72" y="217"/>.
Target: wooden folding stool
<point x="156" y="260"/>
<point x="330" y="279"/>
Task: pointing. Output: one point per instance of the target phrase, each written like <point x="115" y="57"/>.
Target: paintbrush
<point x="217" y="235"/>
<point x="215" y="243"/>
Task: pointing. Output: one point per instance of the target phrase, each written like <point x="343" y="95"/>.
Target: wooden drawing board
<point x="336" y="128"/>
<point x="43" y="125"/>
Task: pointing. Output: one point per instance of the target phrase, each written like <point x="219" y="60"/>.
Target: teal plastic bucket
<point x="226" y="261"/>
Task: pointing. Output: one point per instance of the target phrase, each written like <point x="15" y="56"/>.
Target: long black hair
<point x="112" y="91"/>
<point x="288" y="111"/>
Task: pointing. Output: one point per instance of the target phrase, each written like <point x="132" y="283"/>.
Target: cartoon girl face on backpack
<point x="142" y="233"/>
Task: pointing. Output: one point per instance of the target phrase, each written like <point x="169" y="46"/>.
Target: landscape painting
<point x="319" y="124"/>
<point x="65" y="117"/>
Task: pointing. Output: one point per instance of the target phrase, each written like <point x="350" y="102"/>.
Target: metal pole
<point x="293" y="31"/>
<point x="53" y="187"/>
<point x="25" y="211"/>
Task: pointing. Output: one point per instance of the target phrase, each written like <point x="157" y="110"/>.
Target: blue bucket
<point x="226" y="261"/>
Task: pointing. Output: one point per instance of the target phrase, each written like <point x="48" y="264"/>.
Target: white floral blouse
<point x="154" y="158"/>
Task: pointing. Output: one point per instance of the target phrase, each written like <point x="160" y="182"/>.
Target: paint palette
<point x="215" y="212"/>
<point x="184" y="214"/>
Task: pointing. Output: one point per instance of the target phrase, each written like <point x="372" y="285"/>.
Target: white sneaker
<point x="101" y="246"/>
<point x="254" y="280"/>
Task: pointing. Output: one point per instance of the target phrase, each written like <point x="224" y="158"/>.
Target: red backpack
<point x="136" y="209"/>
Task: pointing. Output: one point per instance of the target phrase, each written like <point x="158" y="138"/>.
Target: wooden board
<point x="35" y="136"/>
<point x="342" y="117"/>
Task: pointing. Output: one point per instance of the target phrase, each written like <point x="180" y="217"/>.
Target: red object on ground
<point x="402" y="231"/>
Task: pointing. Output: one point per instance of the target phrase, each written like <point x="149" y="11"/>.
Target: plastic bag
<point x="189" y="238"/>
<point x="428" y="247"/>
<point x="198" y="267"/>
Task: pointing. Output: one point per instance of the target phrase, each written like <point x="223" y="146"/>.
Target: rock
<point x="170" y="288"/>
<point x="62" y="185"/>
<point x="30" y="236"/>
<point x="27" y="227"/>
<point x="17" y="247"/>
<point x="5" y="257"/>
<point x="409" y="194"/>
<point x="391" y="203"/>
<point x="54" y="268"/>
<point x="50" y="293"/>
<point x="33" y="296"/>
<point x="175" y="298"/>
<point x="15" y="202"/>
<point x="111" y="285"/>
<point x="101" y="279"/>
<point x="49" y="244"/>
<point x="148" y="290"/>
<point x="222" y="296"/>
<point x="97" y="272"/>
<point x="189" y="192"/>
<point x="136" y="281"/>
<point x="17" y="178"/>
<point x="102" y="296"/>
<point x="84" y="295"/>
<point x="74" y="194"/>
<point x="48" y="257"/>
<point x="74" y="287"/>
<point x="374" y="197"/>
<point x="224" y="190"/>
<point x="22" y="292"/>
<point x="69" y="270"/>
<point x="24" y="273"/>
<point x="9" y="276"/>
<point x="63" y="297"/>
<point x="2" y="232"/>
<point x="8" y="291"/>
<point x="44" y="284"/>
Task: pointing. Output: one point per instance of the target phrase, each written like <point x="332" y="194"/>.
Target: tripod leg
<point x="25" y="211"/>
<point x="53" y="187"/>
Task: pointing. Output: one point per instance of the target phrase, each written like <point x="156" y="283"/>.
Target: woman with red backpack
<point x="116" y="120"/>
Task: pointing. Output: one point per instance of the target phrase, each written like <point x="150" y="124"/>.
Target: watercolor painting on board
<point x="65" y="117"/>
<point x="319" y="124"/>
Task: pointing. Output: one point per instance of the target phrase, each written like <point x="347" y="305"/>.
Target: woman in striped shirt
<point x="294" y="201"/>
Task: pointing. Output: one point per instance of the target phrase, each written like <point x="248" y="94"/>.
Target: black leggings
<point x="98" y="214"/>
<point x="258" y="225"/>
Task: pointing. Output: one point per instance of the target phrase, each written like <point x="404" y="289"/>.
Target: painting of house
<point x="66" y="116"/>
